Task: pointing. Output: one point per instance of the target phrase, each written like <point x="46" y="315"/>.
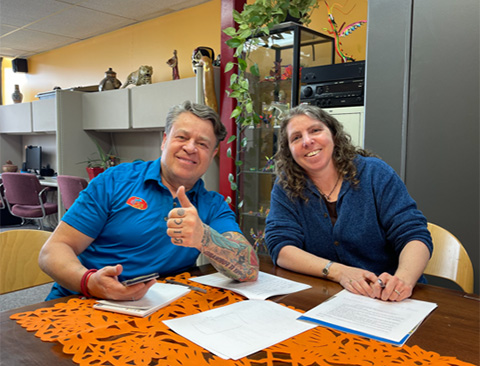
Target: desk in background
<point x="49" y="182"/>
<point x="452" y="330"/>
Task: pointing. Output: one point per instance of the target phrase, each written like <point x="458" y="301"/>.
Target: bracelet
<point x="84" y="282"/>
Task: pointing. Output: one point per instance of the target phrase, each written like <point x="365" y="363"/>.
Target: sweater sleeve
<point x="397" y="211"/>
<point x="282" y="225"/>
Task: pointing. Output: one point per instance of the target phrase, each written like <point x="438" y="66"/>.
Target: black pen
<point x="173" y="282"/>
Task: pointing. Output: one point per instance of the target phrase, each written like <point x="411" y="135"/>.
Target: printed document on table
<point x="157" y="296"/>
<point x="386" y="321"/>
<point x="240" y="329"/>
<point x="265" y="286"/>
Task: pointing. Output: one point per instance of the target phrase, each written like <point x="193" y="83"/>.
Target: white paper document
<point x="265" y="286"/>
<point x="157" y="296"/>
<point x="391" y="322"/>
<point x="238" y="330"/>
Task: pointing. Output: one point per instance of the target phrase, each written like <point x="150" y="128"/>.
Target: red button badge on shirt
<point x="137" y="202"/>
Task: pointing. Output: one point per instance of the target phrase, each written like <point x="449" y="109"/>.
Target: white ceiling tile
<point x="8" y="52"/>
<point x="80" y="23"/>
<point x="132" y="9"/>
<point x="5" y="29"/>
<point x="23" y="12"/>
<point x="34" y="41"/>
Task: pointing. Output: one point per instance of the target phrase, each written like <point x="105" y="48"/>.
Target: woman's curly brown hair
<point x="291" y="176"/>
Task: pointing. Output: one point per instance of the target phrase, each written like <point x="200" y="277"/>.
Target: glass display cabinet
<point x="280" y="57"/>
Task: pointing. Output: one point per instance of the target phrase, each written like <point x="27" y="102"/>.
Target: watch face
<point x="326" y="270"/>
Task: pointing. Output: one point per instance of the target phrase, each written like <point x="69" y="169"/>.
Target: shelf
<point x="254" y="214"/>
<point x="257" y="172"/>
<point x="280" y="57"/>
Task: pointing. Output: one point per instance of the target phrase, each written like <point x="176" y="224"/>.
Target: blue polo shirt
<point x="125" y="210"/>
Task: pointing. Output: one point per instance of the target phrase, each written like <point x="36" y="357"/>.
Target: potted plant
<point x="255" y="20"/>
<point x="100" y="161"/>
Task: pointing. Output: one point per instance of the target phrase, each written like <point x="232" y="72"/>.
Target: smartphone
<point x="140" y="279"/>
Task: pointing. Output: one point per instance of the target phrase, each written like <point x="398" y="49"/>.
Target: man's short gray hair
<point x="201" y="111"/>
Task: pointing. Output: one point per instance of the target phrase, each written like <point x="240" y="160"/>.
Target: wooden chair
<point x="19" y="251"/>
<point x="449" y="260"/>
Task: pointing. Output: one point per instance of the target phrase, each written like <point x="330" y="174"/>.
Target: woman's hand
<point x="358" y="281"/>
<point x="385" y="287"/>
<point x="395" y="288"/>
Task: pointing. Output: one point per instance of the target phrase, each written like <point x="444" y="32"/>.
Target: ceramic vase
<point x="94" y="171"/>
<point x="9" y="167"/>
<point x="17" y="96"/>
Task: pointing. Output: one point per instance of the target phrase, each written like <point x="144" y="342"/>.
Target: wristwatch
<point x="326" y="270"/>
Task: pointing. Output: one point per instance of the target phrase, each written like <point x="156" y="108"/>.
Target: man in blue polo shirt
<point x="144" y="217"/>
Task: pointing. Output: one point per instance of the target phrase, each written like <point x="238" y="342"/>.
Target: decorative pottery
<point x="94" y="171"/>
<point x="110" y="82"/>
<point x="17" y="96"/>
<point x="9" y="167"/>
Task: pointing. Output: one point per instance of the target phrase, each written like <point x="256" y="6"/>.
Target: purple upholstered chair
<point x="70" y="188"/>
<point x="2" y="201"/>
<point x="26" y="198"/>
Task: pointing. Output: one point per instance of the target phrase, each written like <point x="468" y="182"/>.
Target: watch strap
<point x="326" y="270"/>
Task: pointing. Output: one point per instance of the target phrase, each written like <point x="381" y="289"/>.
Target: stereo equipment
<point x="19" y="65"/>
<point x="337" y="85"/>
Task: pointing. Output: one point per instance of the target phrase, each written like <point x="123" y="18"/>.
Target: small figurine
<point x="140" y="77"/>
<point x="110" y="81"/>
<point x="218" y="61"/>
<point x="270" y="165"/>
<point x="258" y="241"/>
<point x="276" y="72"/>
<point x="204" y="56"/>
<point x="173" y="63"/>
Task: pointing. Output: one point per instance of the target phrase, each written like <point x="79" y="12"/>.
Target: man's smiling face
<point x="187" y="150"/>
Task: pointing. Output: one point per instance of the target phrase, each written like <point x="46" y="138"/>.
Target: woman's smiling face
<point x="311" y="144"/>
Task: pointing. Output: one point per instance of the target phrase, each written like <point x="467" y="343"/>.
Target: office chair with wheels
<point x="70" y="187"/>
<point x="26" y="198"/>
<point x="449" y="260"/>
<point x="19" y="251"/>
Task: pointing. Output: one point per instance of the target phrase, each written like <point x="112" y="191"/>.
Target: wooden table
<point x="451" y="330"/>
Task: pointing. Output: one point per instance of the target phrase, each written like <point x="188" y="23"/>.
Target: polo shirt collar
<point x="153" y="173"/>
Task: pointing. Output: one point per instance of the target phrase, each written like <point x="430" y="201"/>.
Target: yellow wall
<point x="152" y="43"/>
<point x="344" y="12"/>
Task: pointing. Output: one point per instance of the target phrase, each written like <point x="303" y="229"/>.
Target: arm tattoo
<point x="230" y="254"/>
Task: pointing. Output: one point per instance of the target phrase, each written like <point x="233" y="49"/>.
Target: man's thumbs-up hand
<point x="184" y="225"/>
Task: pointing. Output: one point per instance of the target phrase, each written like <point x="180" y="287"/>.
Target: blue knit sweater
<point x="376" y="219"/>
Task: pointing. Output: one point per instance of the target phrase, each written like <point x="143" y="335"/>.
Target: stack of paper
<point x="158" y="296"/>
<point x="391" y="322"/>
<point x="238" y="330"/>
<point x="265" y="286"/>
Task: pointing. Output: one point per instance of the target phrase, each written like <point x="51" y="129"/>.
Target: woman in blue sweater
<point x="340" y="213"/>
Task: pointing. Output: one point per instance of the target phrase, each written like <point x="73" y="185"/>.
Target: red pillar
<point x="226" y="164"/>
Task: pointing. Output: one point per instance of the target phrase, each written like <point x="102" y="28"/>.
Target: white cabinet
<point x="107" y="110"/>
<point x="44" y="115"/>
<point x="16" y="118"/>
<point x="150" y="103"/>
<point x="353" y="121"/>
